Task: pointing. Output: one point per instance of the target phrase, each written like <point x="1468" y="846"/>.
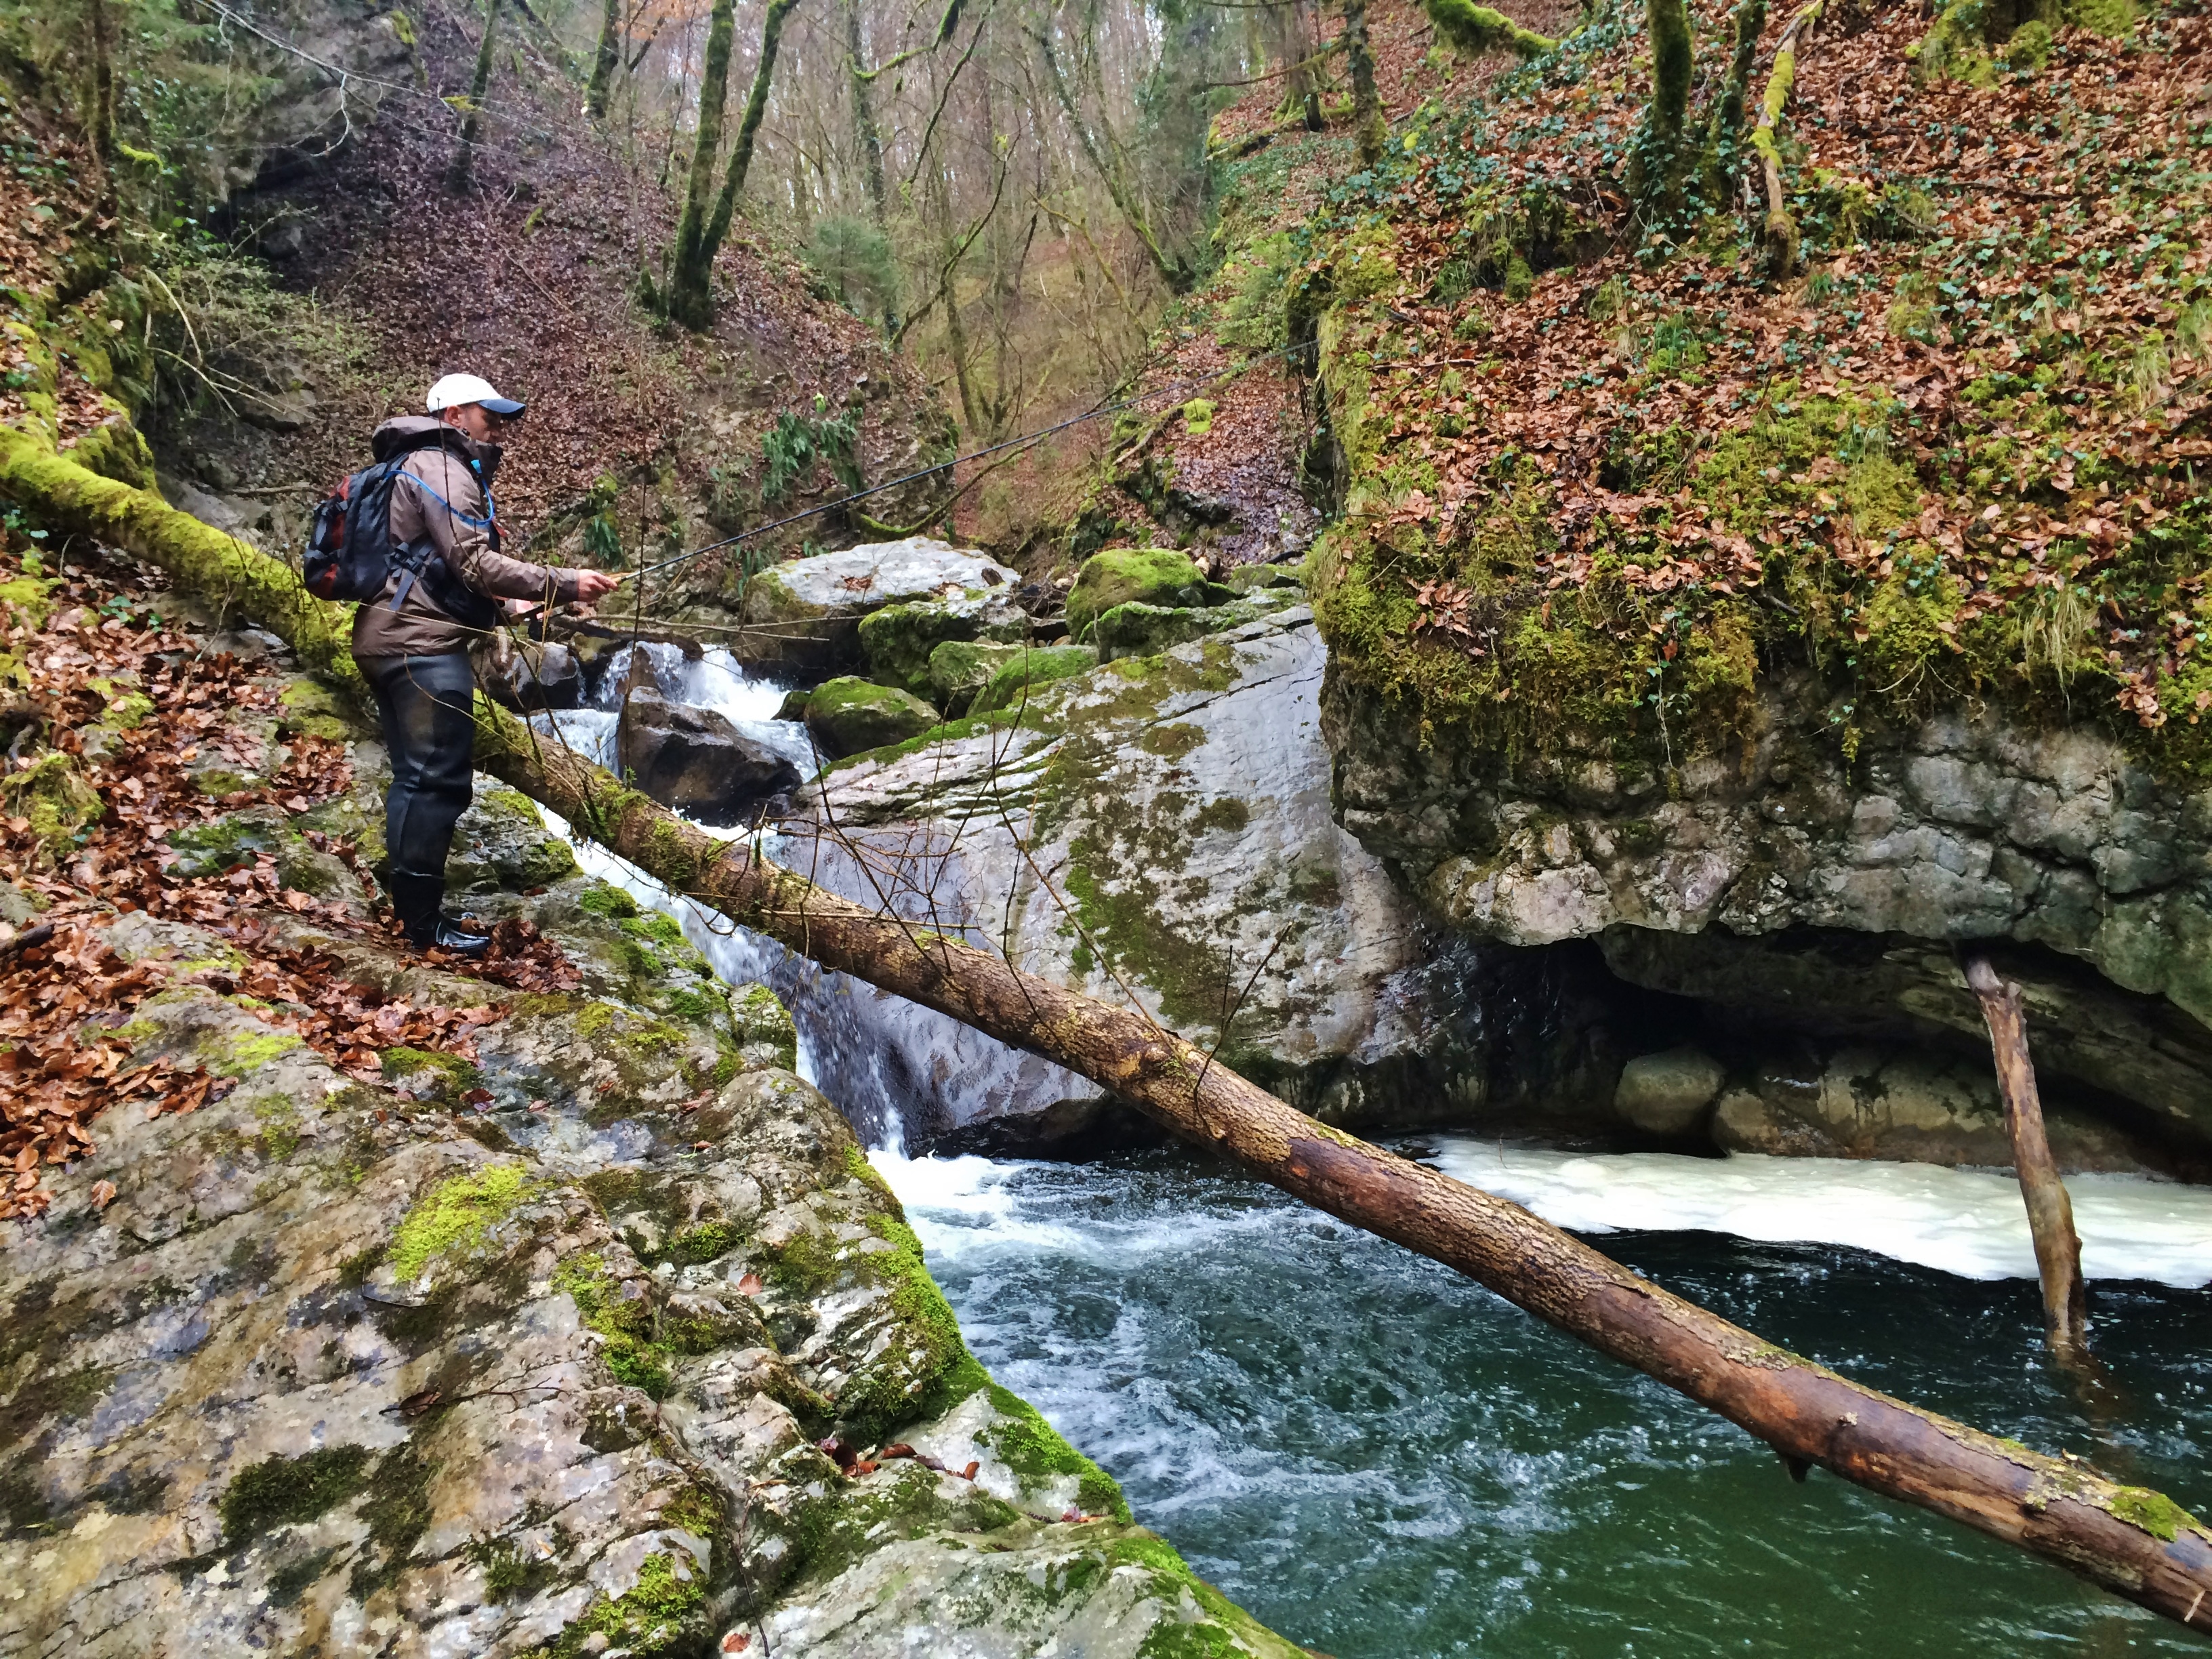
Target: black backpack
<point x="350" y="554"/>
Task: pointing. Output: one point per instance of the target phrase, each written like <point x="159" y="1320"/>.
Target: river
<point x="1383" y="1461"/>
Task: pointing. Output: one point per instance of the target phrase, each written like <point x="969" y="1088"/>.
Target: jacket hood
<point x="405" y="432"/>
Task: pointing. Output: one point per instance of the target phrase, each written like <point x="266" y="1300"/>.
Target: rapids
<point x="1384" y="1460"/>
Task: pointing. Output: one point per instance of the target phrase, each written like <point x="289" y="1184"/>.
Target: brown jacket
<point x="443" y="494"/>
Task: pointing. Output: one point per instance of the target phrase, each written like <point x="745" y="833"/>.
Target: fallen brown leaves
<point x="134" y="703"/>
<point x="59" y="1000"/>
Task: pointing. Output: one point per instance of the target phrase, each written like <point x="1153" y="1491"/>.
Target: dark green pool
<point x="1384" y="1461"/>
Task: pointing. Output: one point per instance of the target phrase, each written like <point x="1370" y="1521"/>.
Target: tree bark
<point x="1367" y="123"/>
<point x="741" y="151"/>
<point x="2050" y="1212"/>
<point x="690" y="301"/>
<point x="2133" y="1541"/>
<point x="1173" y="272"/>
<point x="865" y="128"/>
<point x="103" y="103"/>
<point x="605" y="64"/>
<point x="464" y="158"/>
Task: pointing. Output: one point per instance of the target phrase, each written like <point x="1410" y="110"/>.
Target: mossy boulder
<point x="1145" y="630"/>
<point x="54" y="797"/>
<point x="501" y="842"/>
<point x="1140" y="575"/>
<point x="960" y="669"/>
<point x="899" y="639"/>
<point x="850" y="714"/>
<point x="1033" y="668"/>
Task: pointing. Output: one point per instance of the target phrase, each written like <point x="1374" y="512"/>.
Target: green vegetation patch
<point x="457" y="1216"/>
<point x="281" y="1492"/>
<point x="1035" y="1451"/>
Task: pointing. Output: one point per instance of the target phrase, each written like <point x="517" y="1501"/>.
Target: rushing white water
<point x="1969" y="1222"/>
<point x="714" y="680"/>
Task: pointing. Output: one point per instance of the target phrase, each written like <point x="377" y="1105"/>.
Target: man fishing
<point x="413" y="639"/>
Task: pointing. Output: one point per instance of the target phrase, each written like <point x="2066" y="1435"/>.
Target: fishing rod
<point x="1037" y="436"/>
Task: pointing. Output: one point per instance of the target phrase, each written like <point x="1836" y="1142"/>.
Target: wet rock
<point x="538" y="676"/>
<point x="1179" y="807"/>
<point x="696" y="761"/>
<point x="1666" y="1094"/>
<point x="897" y="642"/>
<point x="1126" y="576"/>
<point x="1145" y="630"/>
<point x="501" y="841"/>
<point x="848" y="716"/>
<point x="811" y="608"/>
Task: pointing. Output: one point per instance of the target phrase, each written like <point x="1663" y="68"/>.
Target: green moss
<point x="450" y="1076"/>
<point x="705" y="1241"/>
<point x="280" y="1491"/>
<point x="398" y="1513"/>
<point x="1035" y="1451"/>
<point x="850" y="715"/>
<point x="1123" y="576"/>
<point x="761" y="1017"/>
<point x="858" y="1167"/>
<point x="456" y="1215"/>
<point x="663" y="1612"/>
<point x="901" y="641"/>
<point x="55" y="798"/>
<point x="1013" y="683"/>
<point x="1171" y="742"/>
<point x="601" y="900"/>
<point x="231" y="1055"/>
<point x="633" y="1350"/>
<point x="2155" y="1513"/>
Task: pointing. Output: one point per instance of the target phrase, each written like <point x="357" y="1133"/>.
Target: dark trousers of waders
<point x="427" y="705"/>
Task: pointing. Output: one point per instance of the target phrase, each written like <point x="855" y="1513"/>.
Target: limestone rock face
<point x="848" y="716"/>
<point x="1666" y="1094"/>
<point x="1160" y="828"/>
<point x="1136" y="630"/>
<point x="696" y="761"/>
<point x="816" y="604"/>
<point x="1968" y="828"/>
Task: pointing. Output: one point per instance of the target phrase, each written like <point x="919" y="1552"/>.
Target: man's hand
<point x="593" y="584"/>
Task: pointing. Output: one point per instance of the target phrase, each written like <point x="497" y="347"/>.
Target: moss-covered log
<point x="1781" y="229"/>
<point x="1472" y="29"/>
<point x="2134" y="1542"/>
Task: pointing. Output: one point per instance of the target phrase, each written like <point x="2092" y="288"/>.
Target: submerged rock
<point x="539" y="676"/>
<point x="696" y="761"/>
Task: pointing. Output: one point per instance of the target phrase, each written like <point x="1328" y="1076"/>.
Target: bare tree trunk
<point x="464" y="158"/>
<point x="2050" y="1212"/>
<point x="605" y="64"/>
<point x="103" y="103"/>
<point x="1367" y="122"/>
<point x="690" y="302"/>
<point x="2132" y="1541"/>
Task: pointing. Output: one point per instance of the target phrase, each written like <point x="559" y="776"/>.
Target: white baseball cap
<point x="457" y="390"/>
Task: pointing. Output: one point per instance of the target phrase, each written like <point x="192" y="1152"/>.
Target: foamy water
<point x="714" y="680"/>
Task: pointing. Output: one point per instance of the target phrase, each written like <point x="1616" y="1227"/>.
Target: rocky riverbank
<point x="584" y="1328"/>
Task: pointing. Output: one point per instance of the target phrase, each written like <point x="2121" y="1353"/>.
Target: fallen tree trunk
<point x="2130" y="1541"/>
<point x="2050" y="1212"/>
